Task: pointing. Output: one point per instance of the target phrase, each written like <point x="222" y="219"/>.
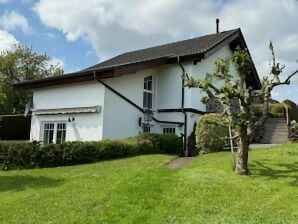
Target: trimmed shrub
<point x="162" y="143"/>
<point x="211" y="133"/>
<point x="276" y="110"/>
<point x="18" y="155"/>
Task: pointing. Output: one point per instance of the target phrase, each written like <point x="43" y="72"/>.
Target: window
<point x="54" y="132"/>
<point x="146" y="129"/>
<point x="48" y="133"/>
<point x="147" y="94"/>
<point x="169" y="130"/>
<point x="147" y="100"/>
<point x="61" y="132"/>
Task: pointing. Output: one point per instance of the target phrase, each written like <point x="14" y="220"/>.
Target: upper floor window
<point x="54" y="132"/>
<point x="148" y="93"/>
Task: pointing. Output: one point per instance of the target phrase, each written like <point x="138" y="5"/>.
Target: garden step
<point x="276" y="130"/>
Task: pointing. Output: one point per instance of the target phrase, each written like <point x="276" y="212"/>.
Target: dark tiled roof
<point x="181" y="48"/>
<point x="200" y="47"/>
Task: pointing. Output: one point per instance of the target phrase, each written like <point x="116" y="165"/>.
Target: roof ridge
<point x="157" y="46"/>
<point x="179" y="41"/>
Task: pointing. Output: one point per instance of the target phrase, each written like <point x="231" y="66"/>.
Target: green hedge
<point x="18" y="155"/>
<point x="211" y="133"/>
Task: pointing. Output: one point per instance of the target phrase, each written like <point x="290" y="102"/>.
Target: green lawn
<point x="140" y="190"/>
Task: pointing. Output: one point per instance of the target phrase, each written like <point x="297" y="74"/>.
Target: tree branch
<point x="287" y="81"/>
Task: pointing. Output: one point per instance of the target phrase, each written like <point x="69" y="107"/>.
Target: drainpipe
<point x="185" y="147"/>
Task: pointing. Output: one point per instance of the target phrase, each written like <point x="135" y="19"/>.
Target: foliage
<point x="142" y="190"/>
<point x="211" y="133"/>
<point x="276" y="110"/>
<point x="21" y="64"/>
<point x="17" y="154"/>
<point x="232" y="87"/>
<point x="226" y="87"/>
<point x="31" y="154"/>
<point x="293" y="109"/>
<point x="258" y="110"/>
<point x="164" y="143"/>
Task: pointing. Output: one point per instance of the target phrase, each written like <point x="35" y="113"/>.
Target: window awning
<point x="71" y="110"/>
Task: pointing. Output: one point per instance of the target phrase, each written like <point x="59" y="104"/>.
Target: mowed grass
<point x="141" y="190"/>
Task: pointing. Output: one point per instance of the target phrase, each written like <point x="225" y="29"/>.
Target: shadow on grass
<point x="19" y="183"/>
<point x="279" y="171"/>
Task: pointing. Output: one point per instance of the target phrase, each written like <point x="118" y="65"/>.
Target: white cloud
<point x="4" y="1"/>
<point x="57" y="61"/>
<point x="116" y="26"/>
<point x="50" y="35"/>
<point x="113" y="27"/>
<point x="13" y="20"/>
<point x="7" y="41"/>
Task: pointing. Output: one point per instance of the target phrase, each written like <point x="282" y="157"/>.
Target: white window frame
<point x="54" y="141"/>
<point x="171" y="129"/>
<point x="149" y="91"/>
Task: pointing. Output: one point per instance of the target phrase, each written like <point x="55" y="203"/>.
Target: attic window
<point x="147" y="93"/>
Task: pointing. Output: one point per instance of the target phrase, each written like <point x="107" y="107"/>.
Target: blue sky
<point x="80" y="33"/>
<point x="43" y="39"/>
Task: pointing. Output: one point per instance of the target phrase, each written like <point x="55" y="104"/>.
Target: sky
<point x="77" y="34"/>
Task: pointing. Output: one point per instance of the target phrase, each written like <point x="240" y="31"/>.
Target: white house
<point x="108" y="100"/>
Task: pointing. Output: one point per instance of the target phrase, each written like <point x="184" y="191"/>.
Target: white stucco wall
<point x="200" y="70"/>
<point x="121" y="118"/>
<point x="87" y="126"/>
<point x="169" y="86"/>
<point x="118" y="118"/>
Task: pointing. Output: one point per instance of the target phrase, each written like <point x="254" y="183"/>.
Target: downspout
<point x="185" y="148"/>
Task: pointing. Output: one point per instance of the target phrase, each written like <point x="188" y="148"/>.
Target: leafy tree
<point x="233" y="88"/>
<point x="21" y="64"/>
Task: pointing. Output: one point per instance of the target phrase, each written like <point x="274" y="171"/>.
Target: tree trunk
<point x="242" y="153"/>
<point x="265" y="108"/>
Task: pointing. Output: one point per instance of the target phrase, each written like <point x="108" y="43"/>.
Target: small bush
<point x="211" y="133"/>
<point x="18" y="155"/>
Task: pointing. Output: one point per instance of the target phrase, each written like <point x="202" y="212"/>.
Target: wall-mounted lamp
<point x="148" y="117"/>
<point x="71" y="119"/>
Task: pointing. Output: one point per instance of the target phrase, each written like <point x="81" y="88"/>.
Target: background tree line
<point x="18" y="65"/>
